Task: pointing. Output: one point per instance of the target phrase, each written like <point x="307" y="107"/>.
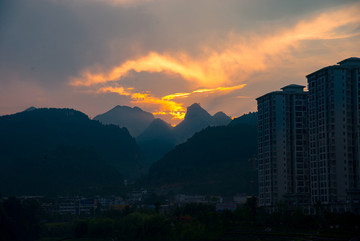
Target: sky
<point x="164" y="55"/>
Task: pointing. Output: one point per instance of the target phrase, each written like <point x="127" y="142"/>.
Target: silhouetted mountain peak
<point x="196" y="119"/>
<point x="156" y="140"/>
<point x="221" y="119"/>
<point x="196" y="111"/>
<point x="137" y="108"/>
<point x="51" y="114"/>
<point x="30" y="108"/>
<point x="160" y="123"/>
<point x="220" y="114"/>
<point x="119" y="107"/>
<point x="125" y="108"/>
<point x="157" y="129"/>
<point x="134" y="119"/>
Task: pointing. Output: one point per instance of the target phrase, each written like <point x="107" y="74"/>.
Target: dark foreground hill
<point x="251" y="119"/>
<point x="217" y="160"/>
<point x="53" y="151"/>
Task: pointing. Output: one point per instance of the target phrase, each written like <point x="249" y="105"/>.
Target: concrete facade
<point x="334" y="135"/>
<point x="282" y="147"/>
<point x="309" y="142"/>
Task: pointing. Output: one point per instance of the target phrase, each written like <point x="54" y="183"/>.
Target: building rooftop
<point x="346" y="63"/>
<point x="293" y="88"/>
<point x="350" y="61"/>
<point x="289" y="89"/>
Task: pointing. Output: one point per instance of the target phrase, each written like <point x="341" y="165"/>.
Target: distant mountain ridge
<point x="30" y="108"/>
<point x="134" y="119"/>
<point x="155" y="136"/>
<point x="160" y="137"/>
<point x="221" y="119"/>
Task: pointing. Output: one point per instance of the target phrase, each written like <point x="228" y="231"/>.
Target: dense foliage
<point x="217" y="160"/>
<point x="24" y="221"/>
<point x="63" y="151"/>
<point x="19" y="220"/>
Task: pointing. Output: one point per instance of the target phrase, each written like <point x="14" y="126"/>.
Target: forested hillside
<point x="63" y="151"/>
<point x="217" y="160"/>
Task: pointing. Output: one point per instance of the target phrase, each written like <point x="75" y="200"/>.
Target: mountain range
<point x="155" y="136"/>
<point x="134" y="119"/>
<point x="195" y="120"/>
<point x="62" y="151"/>
<point x="137" y="121"/>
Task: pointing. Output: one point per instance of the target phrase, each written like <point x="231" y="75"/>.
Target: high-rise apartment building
<point x="309" y="142"/>
<point x="282" y="147"/>
<point x="334" y="135"/>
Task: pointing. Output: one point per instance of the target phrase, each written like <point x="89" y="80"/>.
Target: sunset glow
<point x="232" y="64"/>
<point x="164" y="55"/>
<point x="240" y="56"/>
<point x="190" y="70"/>
<point x="166" y="105"/>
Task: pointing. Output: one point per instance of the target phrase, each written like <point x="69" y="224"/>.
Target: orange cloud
<point x="163" y="106"/>
<point x="239" y="57"/>
<point x="185" y="95"/>
<point x="182" y="64"/>
<point x="119" y="90"/>
<point x="176" y="110"/>
<point x="176" y="95"/>
<point x="237" y="87"/>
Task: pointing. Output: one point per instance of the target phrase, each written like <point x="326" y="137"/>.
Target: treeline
<point x="19" y="220"/>
<point x="23" y="220"/>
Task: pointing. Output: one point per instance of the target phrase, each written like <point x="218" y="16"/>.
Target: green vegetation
<point x="21" y="220"/>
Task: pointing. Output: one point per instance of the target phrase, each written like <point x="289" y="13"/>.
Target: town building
<point x="283" y="148"/>
<point x="76" y="206"/>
